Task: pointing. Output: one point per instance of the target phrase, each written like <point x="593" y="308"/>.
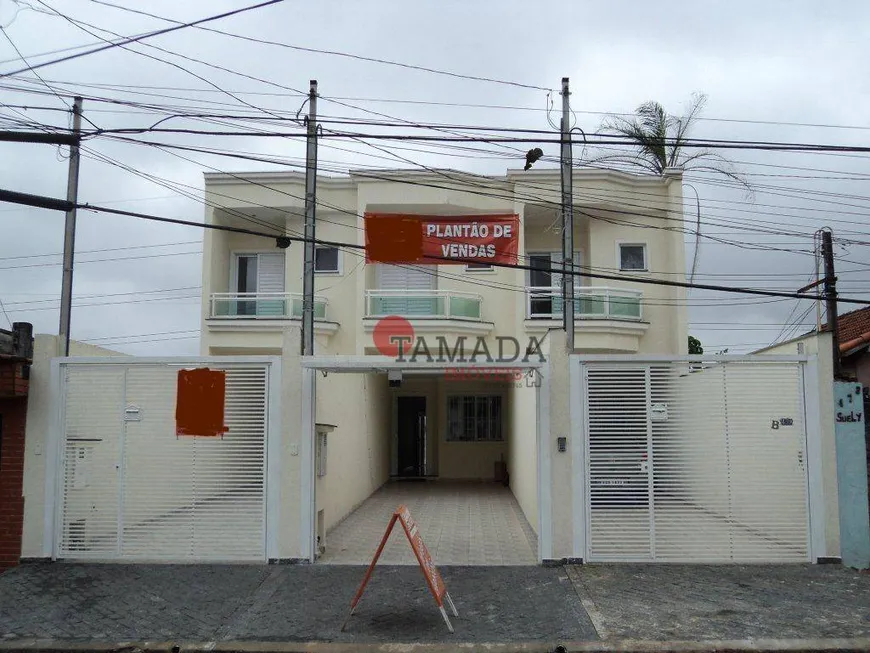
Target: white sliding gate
<point x="694" y="462"/>
<point x="130" y="488"/>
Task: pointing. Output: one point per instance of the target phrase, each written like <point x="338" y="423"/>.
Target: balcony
<point x="439" y="312"/>
<point x="590" y="302"/>
<point x="443" y="304"/>
<point x="242" y="313"/>
<point x="269" y="306"/>
<point x="607" y="319"/>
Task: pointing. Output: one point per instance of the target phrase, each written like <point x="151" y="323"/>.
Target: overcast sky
<point x="760" y="63"/>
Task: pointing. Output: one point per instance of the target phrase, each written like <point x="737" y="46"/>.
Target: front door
<point x="411" y="425"/>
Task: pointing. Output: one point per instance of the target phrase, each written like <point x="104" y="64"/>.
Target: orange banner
<point x="441" y="240"/>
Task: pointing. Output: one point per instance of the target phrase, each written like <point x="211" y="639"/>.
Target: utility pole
<point x="831" y="301"/>
<point x="310" y="206"/>
<point x="69" y="236"/>
<point x="567" y="221"/>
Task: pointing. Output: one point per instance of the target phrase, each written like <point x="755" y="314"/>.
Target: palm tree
<point x="659" y="141"/>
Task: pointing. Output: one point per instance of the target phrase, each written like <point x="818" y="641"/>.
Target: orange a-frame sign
<point x="427" y="565"/>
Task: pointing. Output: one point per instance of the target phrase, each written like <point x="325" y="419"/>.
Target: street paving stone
<point x="705" y="602"/>
<point x="120" y="602"/>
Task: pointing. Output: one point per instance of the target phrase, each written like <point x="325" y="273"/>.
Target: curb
<point x="857" y="645"/>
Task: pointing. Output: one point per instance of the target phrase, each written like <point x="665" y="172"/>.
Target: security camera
<point x="395" y="378"/>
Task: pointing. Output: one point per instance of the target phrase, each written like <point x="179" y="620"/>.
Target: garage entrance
<point x="463" y="523"/>
<point x="461" y="450"/>
<point x="694" y="462"/>
<point x="130" y="488"/>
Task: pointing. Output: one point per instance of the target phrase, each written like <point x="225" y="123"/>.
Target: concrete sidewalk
<point x="55" y="607"/>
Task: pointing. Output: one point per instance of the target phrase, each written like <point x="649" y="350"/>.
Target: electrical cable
<point x="343" y="54"/>
<point x="517" y="266"/>
<point x="141" y="37"/>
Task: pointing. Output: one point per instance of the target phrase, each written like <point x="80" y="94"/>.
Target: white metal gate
<point x="131" y="489"/>
<point x="695" y="462"/>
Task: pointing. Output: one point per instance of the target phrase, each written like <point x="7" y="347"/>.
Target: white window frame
<point x="339" y="264"/>
<point x="632" y="243"/>
<point x="555" y="260"/>
<point x="489" y="269"/>
<point x="476" y="395"/>
<point x="234" y="265"/>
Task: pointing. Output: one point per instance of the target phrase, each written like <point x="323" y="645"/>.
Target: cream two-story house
<point x="432" y="425"/>
<point x="625" y="225"/>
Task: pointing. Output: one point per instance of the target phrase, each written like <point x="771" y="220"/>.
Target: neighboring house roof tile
<point x="854" y="327"/>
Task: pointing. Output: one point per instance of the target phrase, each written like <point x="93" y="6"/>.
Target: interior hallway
<point x="462" y="523"/>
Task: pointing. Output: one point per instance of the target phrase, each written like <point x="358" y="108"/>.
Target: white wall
<point x="39" y="422"/>
<point x="289" y="481"/>
<point x="358" y="450"/>
<point x="820" y="345"/>
<point x="560" y="481"/>
<point x="522" y="454"/>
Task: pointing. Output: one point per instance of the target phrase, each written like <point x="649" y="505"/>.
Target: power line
<point x="434" y="103"/>
<point x="486" y="193"/>
<point x="141" y="37"/>
<point x="100" y="260"/>
<point x="8" y="319"/>
<point x="632" y="279"/>
<point x="299" y="197"/>
<point x="342" y="54"/>
<point x="139" y="335"/>
<point x="104" y="249"/>
<point x="117" y="294"/>
<point x="27" y="63"/>
<point x="746" y="162"/>
<point x="128" y="212"/>
<point x="608" y="140"/>
<point x="83" y="26"/>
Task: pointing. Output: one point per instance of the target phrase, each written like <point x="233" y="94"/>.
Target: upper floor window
<point x="259" y="273"/>
<point x="632" y="256"/>
<point x="326" y="260"/>
<point x="258" y="278"/>
<point x="478" y="267"/>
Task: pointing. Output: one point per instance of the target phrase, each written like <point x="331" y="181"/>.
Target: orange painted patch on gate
<point x="199" y="402"/>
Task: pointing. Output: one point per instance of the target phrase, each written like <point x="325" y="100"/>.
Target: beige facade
<point x="252" y="292"/>
<point x="611" y="209"/>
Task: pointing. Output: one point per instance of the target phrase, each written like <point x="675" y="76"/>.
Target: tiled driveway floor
<point x="461" y="524"/>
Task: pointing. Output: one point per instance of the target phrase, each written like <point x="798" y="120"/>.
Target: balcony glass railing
<point x="446" y="304"/>
<point x="589" y="302"/>
<point x="263" y="306"/>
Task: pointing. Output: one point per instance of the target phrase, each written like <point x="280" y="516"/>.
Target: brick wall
<point x="13" y="412"/>
<point x="12" y="381"/>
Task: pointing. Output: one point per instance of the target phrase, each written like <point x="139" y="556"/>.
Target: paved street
<point x="295" y="603"/>
<point x="298" y="603"/>
<point x="706" y="602"/>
